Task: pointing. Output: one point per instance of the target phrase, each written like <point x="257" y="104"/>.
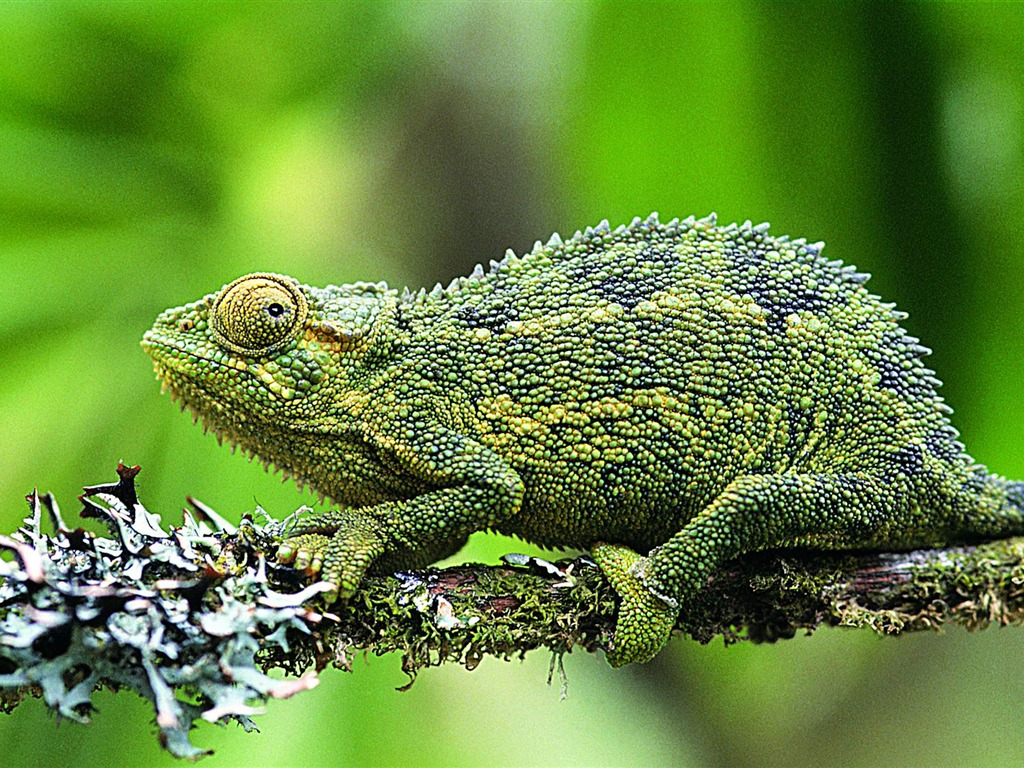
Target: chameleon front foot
<point x="305" y="552"/>
<point x="339" y="546"/>
<point x="645" y="620"/>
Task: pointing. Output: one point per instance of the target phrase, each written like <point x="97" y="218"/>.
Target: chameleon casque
<point x="666" y="395"/>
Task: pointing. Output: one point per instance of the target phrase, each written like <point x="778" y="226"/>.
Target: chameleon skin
<point x="668" y="395"/>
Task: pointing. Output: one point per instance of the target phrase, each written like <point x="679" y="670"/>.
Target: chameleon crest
<point x="667" y="395"/>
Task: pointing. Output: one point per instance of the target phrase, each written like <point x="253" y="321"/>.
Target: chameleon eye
<point x="257" y="312"/>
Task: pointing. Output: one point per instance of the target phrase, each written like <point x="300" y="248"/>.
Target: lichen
<point x="181" y="617"/>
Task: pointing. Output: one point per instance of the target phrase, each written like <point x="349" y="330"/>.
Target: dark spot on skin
<point x="653" y="272"/>
<point x="909" y="460"/>
<point x="469" y="315"/>
<point x="402" y="320"/>
<point x="899" y="370"/>
<point x="628" y="290"/>
<point x="943" y="444"/>
<point x="493" y="320"/>
<point x="744" y="259"/>
<point x="1015" y="494"/>
<point x="782" y="301"/>
<point x="976" y="483"/>
<point x="752" y="275"/>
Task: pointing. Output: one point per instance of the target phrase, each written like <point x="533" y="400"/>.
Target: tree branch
<point x="192" y="618"/>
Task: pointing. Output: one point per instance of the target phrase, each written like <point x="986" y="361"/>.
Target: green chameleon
<point x="666" y="395"/>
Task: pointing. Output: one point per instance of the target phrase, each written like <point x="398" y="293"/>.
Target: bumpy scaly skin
<point x="685" y="390"/>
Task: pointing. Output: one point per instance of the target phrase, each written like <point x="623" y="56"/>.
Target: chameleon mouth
<point x="178" y="370"/>
<point x="184" y="375"/>
<point x="190" y="395"/>
<point x="168" y="355"/>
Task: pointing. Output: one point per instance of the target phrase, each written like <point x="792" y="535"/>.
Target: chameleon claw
<point x="310" y="561"/>
<point x="327" y="554"/>
<point x="645" y="619"/>
<point x="330" y="595"/>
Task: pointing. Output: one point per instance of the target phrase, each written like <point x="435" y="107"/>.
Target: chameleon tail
<point x="993" y="506"/>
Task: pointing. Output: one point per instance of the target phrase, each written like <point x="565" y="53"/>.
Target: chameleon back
<point x="631" y="375"/>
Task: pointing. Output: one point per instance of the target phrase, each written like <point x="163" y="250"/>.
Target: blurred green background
<point x="151" y="152"/>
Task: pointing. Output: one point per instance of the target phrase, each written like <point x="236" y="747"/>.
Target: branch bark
<point x="192" y="618"/>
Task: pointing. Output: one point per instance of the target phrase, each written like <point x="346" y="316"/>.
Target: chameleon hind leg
<point x="754" y="512"/>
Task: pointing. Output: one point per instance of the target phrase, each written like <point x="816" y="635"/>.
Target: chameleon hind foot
<point x="644" y="620"/>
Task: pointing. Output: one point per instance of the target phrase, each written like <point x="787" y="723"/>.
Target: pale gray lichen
<point x="179" y="616"/>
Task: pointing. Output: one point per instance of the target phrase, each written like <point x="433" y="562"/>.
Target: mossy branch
<point x="478" y="610"/>
<point x="192" y="618"/>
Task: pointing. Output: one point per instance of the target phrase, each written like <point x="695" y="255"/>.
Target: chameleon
<point x="667" y="395"/>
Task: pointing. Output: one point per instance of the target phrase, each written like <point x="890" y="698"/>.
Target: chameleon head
<point x="263" y="359"/>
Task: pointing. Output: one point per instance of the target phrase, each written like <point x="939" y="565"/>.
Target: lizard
<point x="666" y="395"/>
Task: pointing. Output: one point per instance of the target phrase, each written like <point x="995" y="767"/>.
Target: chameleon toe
<point x="304" y="552"/>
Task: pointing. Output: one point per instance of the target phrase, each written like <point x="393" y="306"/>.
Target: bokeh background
<point x="151" y="152"/>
